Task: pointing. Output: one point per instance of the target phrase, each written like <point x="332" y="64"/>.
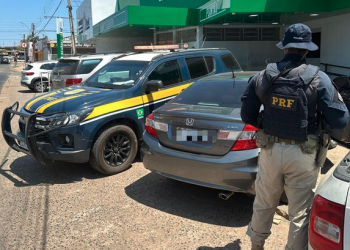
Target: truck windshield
<point x="117" y="75"/>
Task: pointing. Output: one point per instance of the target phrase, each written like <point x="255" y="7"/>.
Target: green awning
<point x="158" y="14"/>
<point x="147" y="17"/>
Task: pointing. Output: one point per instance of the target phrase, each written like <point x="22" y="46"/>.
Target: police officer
<point x="292" y="94"/>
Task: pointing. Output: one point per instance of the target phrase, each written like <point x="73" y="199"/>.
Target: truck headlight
<point x="60" y="119"/>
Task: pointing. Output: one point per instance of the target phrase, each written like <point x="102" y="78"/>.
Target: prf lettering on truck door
<point x="283" y="102"/>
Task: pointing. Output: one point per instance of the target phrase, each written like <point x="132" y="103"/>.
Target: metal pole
<point x="33" y="44"/>
<point x="25" y="51"/>
<point x="71" y="27"/>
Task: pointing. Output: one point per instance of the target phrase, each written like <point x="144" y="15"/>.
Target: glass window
<point x="29" y="67"/>
<point x="117" y="75"/>
<point x="197" y="67"/>
<point x="213" y="34"/>
<point x="210" y="63"/>
<point x="251" y="34"/>
<point x="213" y="92"/>
<point x="51" y="66"/>
<point x="168" y="72"/>
<point x="87" y="66"/>
<point x="230" y="62"/>
<point x="65" y="67"/>
<point x="48" y="66"/>
<point x="232" y="34"/>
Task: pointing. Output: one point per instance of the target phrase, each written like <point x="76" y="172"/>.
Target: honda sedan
<point x="199" y="136"/>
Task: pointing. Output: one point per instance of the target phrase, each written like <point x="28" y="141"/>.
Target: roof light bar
<point x="158" y="47"/>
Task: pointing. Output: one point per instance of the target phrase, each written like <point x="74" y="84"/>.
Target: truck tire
<point x="114" y="150"/>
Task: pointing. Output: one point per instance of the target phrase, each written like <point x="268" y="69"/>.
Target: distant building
<point x="47" y="49"/>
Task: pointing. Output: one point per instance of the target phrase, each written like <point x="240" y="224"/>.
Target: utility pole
<point x="25" y="52"/>
<point x="74" y="52"/>
<point x="33" y="44"/>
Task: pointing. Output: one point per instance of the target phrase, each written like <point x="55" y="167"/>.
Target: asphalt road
<point x="4" y="73"/>
<point x="71" y="206"/>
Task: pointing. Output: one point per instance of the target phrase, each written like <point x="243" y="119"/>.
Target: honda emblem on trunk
<point x="189" y="121"/>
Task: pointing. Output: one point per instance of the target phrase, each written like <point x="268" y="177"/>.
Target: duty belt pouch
<point x="323" y="149"/>
<point x="263" y="140"/>
<point x="310" y="146"/>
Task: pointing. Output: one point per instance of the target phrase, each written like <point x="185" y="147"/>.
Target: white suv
<point x="75" y="70"/>
<point x="36" y="75"/>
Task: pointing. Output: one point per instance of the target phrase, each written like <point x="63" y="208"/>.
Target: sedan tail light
<point x="326" y="225"/>
<point x="29" y="73"/>
<point x="152" y="125"/>
<point x="246" y="140"/>
<point x="75" y="81"/>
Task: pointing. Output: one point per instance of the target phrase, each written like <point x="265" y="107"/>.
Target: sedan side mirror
<point x="153" y="85"/>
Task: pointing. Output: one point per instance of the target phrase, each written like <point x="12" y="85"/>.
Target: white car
<point x="330" y="216"/>
<point x="36" y="76"/>
<point x="76" y="69"/>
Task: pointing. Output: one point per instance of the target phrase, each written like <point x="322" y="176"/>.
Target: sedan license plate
<point x="23" y="145"/>
<point x="183" y="134"/>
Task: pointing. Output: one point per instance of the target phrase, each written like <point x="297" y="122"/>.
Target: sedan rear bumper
<point x="235" y="171"/>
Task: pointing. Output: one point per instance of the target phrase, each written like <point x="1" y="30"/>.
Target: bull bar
<point x="29" y="137"/>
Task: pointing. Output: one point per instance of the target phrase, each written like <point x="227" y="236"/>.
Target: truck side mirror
<point x="153" y="85"/>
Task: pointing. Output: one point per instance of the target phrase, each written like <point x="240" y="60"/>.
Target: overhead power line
<point x="50" y="17"/>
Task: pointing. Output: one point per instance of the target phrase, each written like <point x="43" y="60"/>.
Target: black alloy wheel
<point x="114" y="150"/>
<point x="117" y="150"/>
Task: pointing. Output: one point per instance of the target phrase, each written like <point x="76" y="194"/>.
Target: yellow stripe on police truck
<point x="135" y="101"/>
<point x="40" y="98"/>
<point x="47" y="105"/>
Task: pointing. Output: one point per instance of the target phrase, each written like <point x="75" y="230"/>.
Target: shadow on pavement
<point x="191" y="201"/>
<point x="327" y="166"/>
<point x="26" y="91"/>
<point x="25" y="171"/>
<point x="231" y="246"/>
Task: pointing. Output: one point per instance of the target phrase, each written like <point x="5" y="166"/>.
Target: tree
<point x="30" y="39"/>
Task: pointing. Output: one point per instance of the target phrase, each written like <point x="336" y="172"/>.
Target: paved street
<point x="71" y="206"/>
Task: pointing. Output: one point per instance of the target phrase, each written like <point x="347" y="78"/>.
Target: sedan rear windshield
<point x="66" y="67"/>
<point x="117" y="75"/>
<point x="213" y="93"/>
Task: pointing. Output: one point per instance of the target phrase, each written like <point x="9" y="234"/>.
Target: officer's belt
<point x="279" y="140"/>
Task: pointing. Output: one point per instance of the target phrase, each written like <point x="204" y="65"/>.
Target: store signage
<point x="112" y="22"/>
<point x="59" y="35"/>
<point x="213" y="8"/>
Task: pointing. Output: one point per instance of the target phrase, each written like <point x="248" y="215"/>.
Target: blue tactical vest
<point x="286" y="111"/>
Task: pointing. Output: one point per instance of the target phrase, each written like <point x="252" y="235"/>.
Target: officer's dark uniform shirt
<point x="329" y="103"/>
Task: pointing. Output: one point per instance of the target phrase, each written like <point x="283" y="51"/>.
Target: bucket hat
<point x="297" y="36"/>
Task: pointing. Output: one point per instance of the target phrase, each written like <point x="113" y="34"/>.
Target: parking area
<point x="72" y="206"/>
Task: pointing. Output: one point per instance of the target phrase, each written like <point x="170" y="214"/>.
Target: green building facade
<point x="245" y="27"/>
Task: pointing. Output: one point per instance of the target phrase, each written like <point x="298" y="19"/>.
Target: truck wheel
<point x="38" y="86"/>
<point x="114" y="150"/>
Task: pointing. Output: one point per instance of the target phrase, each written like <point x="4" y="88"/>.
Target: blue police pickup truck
<point x="101" y="121"/>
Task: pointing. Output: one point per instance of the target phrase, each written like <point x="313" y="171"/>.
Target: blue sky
<point x="16" y="17"/>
